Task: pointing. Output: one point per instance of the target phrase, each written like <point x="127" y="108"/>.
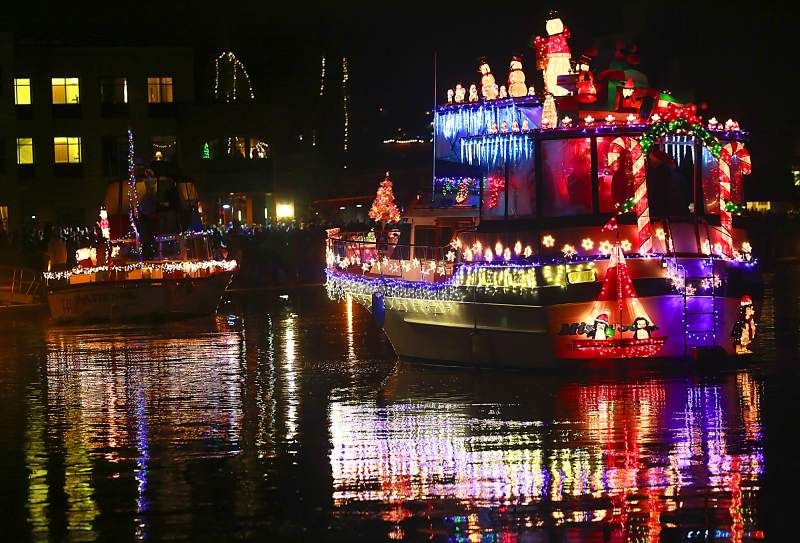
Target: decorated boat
<point x="151" y="257"/>
<point x="597" y="218"/>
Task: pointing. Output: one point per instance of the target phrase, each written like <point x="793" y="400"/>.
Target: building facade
<point x="65" y="113"/>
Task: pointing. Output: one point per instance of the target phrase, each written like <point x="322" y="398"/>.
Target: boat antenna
<point x="433" y="134"/>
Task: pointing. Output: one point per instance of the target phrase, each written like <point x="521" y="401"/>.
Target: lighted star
<point x="626" y="245"/>
<point x="528" y="251"/>
<point x="488" y="256"/>
<point x="660" y="234"/>
<point x="548" y="240"/>
<point x="568" y="250"/>
<point x="451" y="256"/>
<point x="690" y="290"/>
<point x="587" y="244"/>
<point x="605" y="247"/>
<point x="507" y="254"/>
<point x="588" y="119"/>
<point x="655" y="117"/>
<point x="468" y="254"/>
<point x="518" y="248"/>
<point x="631" y="118"/>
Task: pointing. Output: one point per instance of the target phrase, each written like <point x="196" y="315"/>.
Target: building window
<point x="163" y="147"/>
<point x="24" y="150"/>
<point x="258" y="148"/>
<point x="67" y="150"/>
<point x="66" y="90"/>
<point x="22" y="91"/>
<point x="159" y="90"/>
<point x="235" y="147"/>
<point x="114" y="90"/>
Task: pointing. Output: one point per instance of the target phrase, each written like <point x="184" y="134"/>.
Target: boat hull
<point x="138" y="300"/>
<point x="525" y="336"/>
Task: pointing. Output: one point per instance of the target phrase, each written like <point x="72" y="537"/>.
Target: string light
<point x="345" y="103"/>
<point x="322" y="77"/>
<point x="231" y="93"/>
<point x="168" y="267"/>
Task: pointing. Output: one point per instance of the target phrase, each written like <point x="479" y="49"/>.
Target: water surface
<point x="284" y="420"/>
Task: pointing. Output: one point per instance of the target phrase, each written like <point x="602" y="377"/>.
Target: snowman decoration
<point x="488" y="85"/>
<point x="459" y="94"/>
<point x="516" y="78"/>
<point x="553" y="54"/>
<point x="744" y="330"/>
<point x="473" y="93"/>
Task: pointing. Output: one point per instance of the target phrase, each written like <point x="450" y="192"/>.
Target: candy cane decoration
<point x="641" y="206"/>
<point x="727" y="154"/>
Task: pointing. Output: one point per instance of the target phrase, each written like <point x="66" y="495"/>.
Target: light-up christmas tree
<point x="383" y="208"/>
<point x="549" y="113"/>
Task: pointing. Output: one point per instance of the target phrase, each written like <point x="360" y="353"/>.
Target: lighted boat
<point x="597" y="222"/>
<point x="152" y="259"/>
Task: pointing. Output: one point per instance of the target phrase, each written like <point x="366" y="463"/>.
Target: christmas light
<point x="345" y="104"/>
<point x="188" y="267"/>
<point x="383" y="207"/>
<point x="605" y="247"/>
<point x="495" y="150"/>
<point x="587" y="244"/>
<point x="568" y="250"/>
<point x="231" y="92"/>
<point x="626" y="245"/>
<point x="322" y="77"/>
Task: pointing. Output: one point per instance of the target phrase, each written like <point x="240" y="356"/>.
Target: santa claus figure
<point x="744" y="331"/>
<point x="587" y="94"/>
<point x="553" y="54"/>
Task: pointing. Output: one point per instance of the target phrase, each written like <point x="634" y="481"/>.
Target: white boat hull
<point x="135" y="300"/>
<point x="522" y="336"/>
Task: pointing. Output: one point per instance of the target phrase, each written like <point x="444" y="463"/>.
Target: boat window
<point x="614" y="171"/>
<point x="494" y="196"/>
<point x="567" y="177"/>
<point x="710" y="182"/>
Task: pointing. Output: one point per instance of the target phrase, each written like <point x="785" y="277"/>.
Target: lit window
<point x="66" y="90"/>
<point x="114" y="90"/>
<point x="24" y="150"/>
<point x="159" y="90"/>
<point x="22" y="91"/>
<point x="163" y="147"/>
<point x="258" y="148"/>
<point x="67" y="150"/>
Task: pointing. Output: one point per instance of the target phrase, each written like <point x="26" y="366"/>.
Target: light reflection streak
<point x="601" y="445"/>
<point x="36" y="461"/>
<point x="351" y="353"/>
<point x="290" y="377"/>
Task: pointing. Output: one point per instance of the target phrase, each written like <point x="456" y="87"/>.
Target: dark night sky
<point x="739" y="57"/>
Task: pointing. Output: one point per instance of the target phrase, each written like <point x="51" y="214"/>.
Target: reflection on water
<point x="291" y="419"/>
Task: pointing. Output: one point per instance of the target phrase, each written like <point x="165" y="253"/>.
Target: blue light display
<point x="477" y="118"/>
<point x="497" y="149"/>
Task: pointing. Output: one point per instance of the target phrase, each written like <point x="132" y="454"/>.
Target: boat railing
<point x="410" y="262"/>
<point x="19" y="285"/>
